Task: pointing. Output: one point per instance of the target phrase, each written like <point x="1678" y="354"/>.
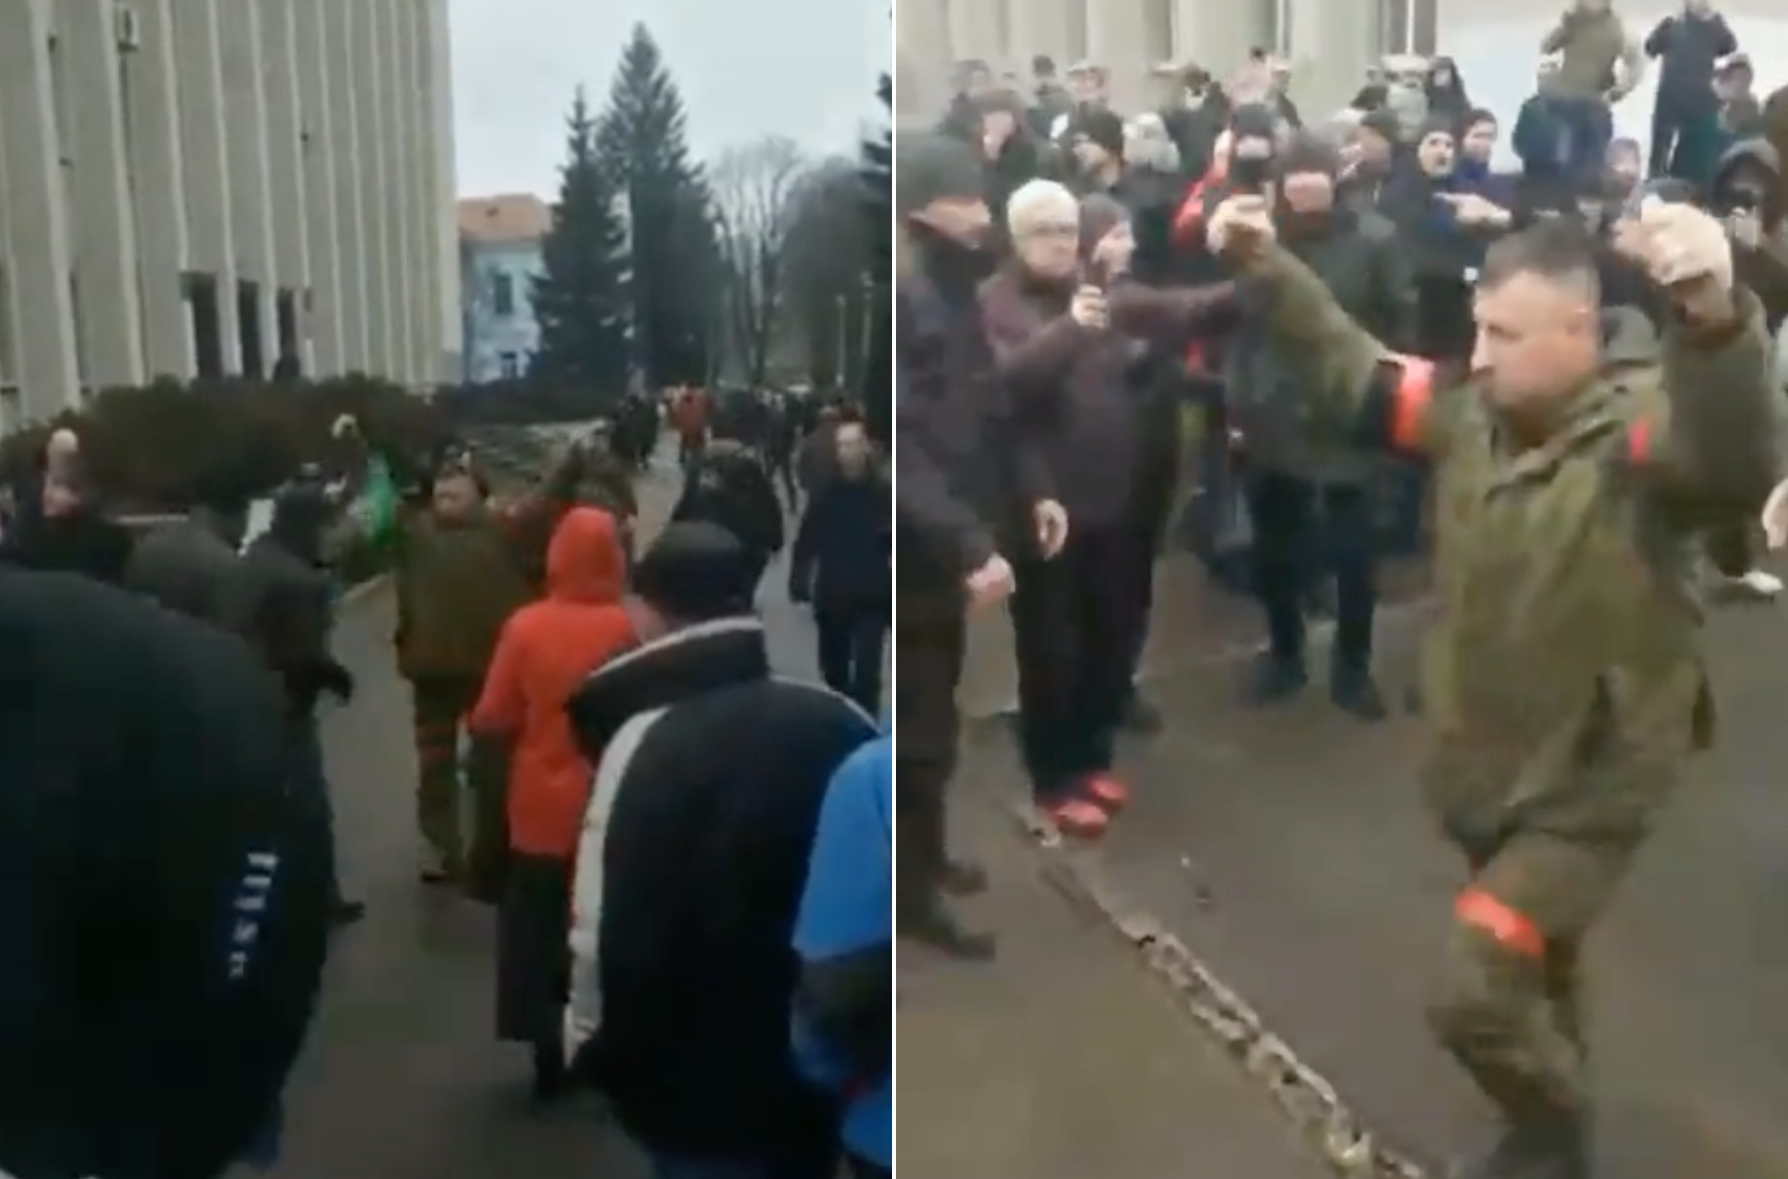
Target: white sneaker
<point x="1757" y="584"/>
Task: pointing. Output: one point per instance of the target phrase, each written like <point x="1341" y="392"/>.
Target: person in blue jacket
<point x="844" y="935"/>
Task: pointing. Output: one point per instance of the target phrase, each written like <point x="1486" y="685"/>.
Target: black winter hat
<point x="694" y="572"/>
<point x="936" y="168"/>
<point x="163" y="893"/>
<point x="1099" y="126"/>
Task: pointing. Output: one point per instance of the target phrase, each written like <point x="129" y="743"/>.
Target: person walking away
<point x="1564" y="693"/>
<point x="1689" y="43"/>
<point x="780" y="448"/>
<point x="69" y="531"/>
<point x="1297" y="476"/>
<point x="952" y="510"/>
<point x="460" y="570"/>
<point x="545" y="652"/>
<point x="818" y="460"/>
<point x="194" y="566"/>
<point x="1598" y="66"/>
<point x="844" y="1004"/>
<point x="728" y="486"/>
<point x="694" y="851"/>
<point x="291" y="630"/>
<point x="843" y="565"/>
<point x="1064" y="329"/>
<point x="163" y="884"/>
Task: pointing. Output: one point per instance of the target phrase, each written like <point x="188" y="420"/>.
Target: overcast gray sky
<point x="801" y="68"/>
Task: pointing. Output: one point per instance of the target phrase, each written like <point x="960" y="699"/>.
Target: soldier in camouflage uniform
<point x="1562" y="673"/>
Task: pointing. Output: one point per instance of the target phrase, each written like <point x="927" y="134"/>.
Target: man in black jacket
<point x="162" y="894"/>
<point x="689" y="876"/>
<point x="291" y="627"/>
<point x="950" y="493"/>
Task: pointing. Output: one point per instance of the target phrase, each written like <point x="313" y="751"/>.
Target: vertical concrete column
<point x="975" y="31"/>
<point x="1331" y="45"/>
<point x="369" y="109"/>
<point x="244" y="75"/>
<point x="446" y="262"/>
<point x="42" y="257"/>
<point x="394" y="105"/>
<point x="286" y="196"/>
<point x="419" y="188"/>
<point x="1118" y="39"/>
<point x="152" y="131"/>
<point x="205" y="154"/>
<point x="344" y="150"/>
<point x="322" y="317"/>
<point x="1044" y="26"/>
<point x="1216" y="36"/>
<point x="99" y="188"/>
<point x="921" y="51"/>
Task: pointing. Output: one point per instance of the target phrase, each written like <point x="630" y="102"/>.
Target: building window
<point x="1408" y="26"/>
<point x="509" y="366"/>
<point x="502" y="294"/>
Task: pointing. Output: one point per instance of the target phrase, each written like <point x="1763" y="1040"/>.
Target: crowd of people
<point x="1557" y="381"/>
<point x="688" y="857"/>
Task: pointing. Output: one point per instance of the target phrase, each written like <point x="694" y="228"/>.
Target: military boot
<point x="1556" y="1147"/>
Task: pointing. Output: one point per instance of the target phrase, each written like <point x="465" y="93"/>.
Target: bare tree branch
<point x="753" y="190"/>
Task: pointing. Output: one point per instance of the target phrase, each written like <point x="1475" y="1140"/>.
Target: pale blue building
<point x="501" y="240"/>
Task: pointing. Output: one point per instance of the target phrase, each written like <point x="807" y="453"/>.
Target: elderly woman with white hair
<point x="1066" y="324"/>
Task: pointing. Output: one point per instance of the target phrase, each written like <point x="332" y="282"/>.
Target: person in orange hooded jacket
<point x="545" y="652"/>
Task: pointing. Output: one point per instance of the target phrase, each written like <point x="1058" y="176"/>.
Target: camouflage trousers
<point x="1511" y="1004"/>
<point x="439" y="709"/>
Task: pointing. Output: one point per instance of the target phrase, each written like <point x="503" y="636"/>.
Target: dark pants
<point x="1666" y="125"/>
<point x="1151" y="513"/>
<point x="309" y="781"/>
<point x="928" y="648"/>
<point x="1072" y="620"/>
<point x="851" y="639"/>
<point x="1300" y="526"/>
<point x="1729" y="548"/>
<point x="533" y="956"/>
<point x="1591" y="126"/>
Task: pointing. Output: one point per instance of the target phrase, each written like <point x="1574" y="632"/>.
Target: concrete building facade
<point x="223" y="187"/>
<point x="1329" y="43"/>
<point x="502" y="243"/>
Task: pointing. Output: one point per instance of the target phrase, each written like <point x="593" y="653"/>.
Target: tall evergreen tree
<point x="676" y="258"/>
<point x="580" y="299"/>
<point x="878" y="207"/>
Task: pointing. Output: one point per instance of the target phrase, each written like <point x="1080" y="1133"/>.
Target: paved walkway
<point x="1288" y="849"/>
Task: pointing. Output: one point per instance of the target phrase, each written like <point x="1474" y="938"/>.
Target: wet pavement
<point x="402" y="1078"/>
<point x="1288" y="850"/>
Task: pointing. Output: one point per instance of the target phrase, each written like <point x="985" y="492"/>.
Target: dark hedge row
<point x="150" y="448"/>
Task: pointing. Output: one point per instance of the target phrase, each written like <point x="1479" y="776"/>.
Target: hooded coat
<point x="1763" y="269"/>
<point x="546" y="651"/>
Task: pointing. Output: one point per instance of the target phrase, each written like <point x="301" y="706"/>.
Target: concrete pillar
<point x="921" y="53"/>
<point x="394" y="103"/>
<point x="286" y="196"/>
<point x="105" y="239"/>
<point x="1216" y="36"/>
<point x="975" y="31"/>
<point x="1055" y="27"/>
<point x="41" y="258"/>
<point x="369" y="109"/>
<point x="152" y="129"/>
<point x="205" y="154"/>
<point x="344" y="149"/>
<point x="244" y="75"/>
<point x="419" y="193"/>
<point x="323" y="297"/>
<point x="451" y="326"/>
<point x="1331" y="45"/>
<point x="1118" y="39"/>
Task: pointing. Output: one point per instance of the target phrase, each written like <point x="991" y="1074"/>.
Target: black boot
<point x="1355" y="692"/>
<point x="1553" y="1148"/>
<point x="930" y="921"/>
<point x="1274" y="679"/>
